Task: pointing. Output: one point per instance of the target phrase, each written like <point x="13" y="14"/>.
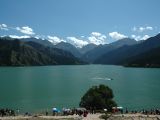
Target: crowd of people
<point x="146" y="112"/>
<point x="67" y="111"/>
<point x="81" y="112"/>
<point x="7" y="112"/>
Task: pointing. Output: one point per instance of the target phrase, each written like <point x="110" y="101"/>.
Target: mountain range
<point x="100" y="50"/>
<point x="19" y="53"/>
<point x="129" y="55"/>
<point x="127" y="52"/>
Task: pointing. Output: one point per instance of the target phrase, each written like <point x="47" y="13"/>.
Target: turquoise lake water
<point x="41" y="88"/>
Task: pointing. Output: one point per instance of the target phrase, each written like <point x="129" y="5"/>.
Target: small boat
<point x="101" y="78"/>
<point x="108" y="79"/>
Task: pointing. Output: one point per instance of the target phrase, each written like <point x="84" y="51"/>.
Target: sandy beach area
<point x="69" y="117"/>
<point x="89" y="117"/>
<point x="137" y="116"/>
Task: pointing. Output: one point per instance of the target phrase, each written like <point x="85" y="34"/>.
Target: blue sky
<point x="80" y="21"/>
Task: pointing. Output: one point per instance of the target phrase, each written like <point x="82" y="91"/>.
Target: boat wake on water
<point x="102" y="78"/>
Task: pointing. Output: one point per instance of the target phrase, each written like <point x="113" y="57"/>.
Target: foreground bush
<point x="98" y="98"/>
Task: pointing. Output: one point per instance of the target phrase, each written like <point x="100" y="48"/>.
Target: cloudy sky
<point x="80" y="21"/>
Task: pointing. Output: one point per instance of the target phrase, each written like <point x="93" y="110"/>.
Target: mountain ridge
<point x="18" y="53"/>
<point x="32" y="51"/>
<point x="92" y="55"/>
<point x="119" y="56"/>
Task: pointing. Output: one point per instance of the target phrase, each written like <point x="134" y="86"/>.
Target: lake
<point x="41" y="88"/>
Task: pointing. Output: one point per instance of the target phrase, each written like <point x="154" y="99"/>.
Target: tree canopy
<point x="98" y="97"/>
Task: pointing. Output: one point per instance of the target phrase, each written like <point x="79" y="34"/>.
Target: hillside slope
<point x="17" y="53"/>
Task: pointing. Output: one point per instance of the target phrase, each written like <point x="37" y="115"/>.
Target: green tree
<point x="98" y="97"/>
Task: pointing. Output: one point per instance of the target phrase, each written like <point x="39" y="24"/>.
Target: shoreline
<point x="129" y="116"/>
<point x="43" y="117"/>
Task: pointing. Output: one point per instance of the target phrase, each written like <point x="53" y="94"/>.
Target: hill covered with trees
<point x="18" y="53"/>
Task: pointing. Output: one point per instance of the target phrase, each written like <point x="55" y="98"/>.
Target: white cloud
<point x="97" y="38"/>
<point x="40" y="37"/>
<point x="77" y="42"/>
<point x="117" y="36"/>
<point x="82" y="36"/>
<point x="145" y="37"/>
<point x="3" y="27"/>
<point x="37" y="37"/>
<point x="138" y="37"/>
<point x="4" y="36"/>
<point x="19" y="37"/>
<point x="55" y="40"/>
<point x="25" y="30"/>
<point x="149" y="28"/>
<point x="97" y="34"/>
<point x="142" y="29"/>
